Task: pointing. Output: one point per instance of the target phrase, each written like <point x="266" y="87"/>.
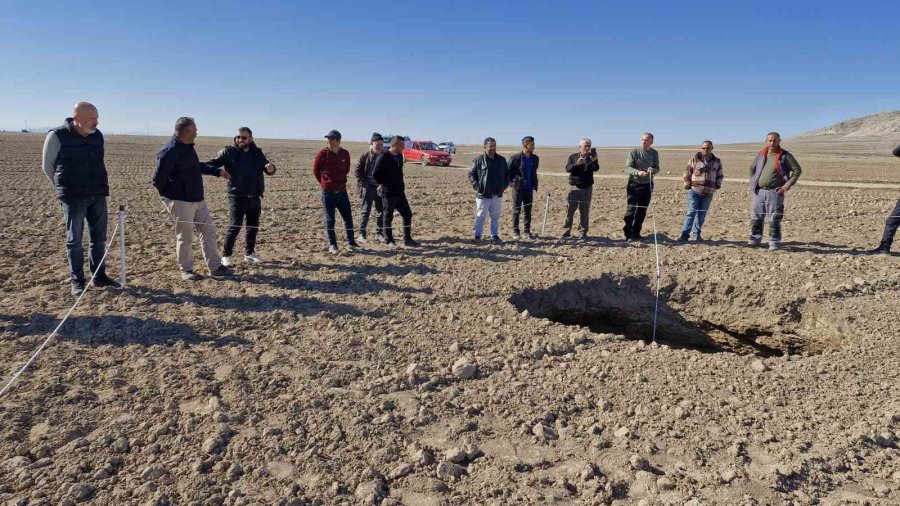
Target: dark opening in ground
<point x="625" y="306"/>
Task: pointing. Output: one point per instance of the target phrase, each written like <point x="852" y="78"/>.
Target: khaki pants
<point x="190" y="216"/>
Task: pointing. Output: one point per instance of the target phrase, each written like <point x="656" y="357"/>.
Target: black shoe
<point x="584" y="237"/>
<point x="530" y="236"/>
<point x="698" y="238"/>
<point x="222" y="272"/>
<point x="477" y="238"/>
<point x="565" y="235"/>
<point x="77" y="288"/>
<point x="881" y="250"/>
<point x="496" y="238"/>
<point x="683" y="238"/>
<point x="103" y="280"/>
<point x="412" y="243"/>
<point x="637" y="237"/>
<point x="353" y="245"/>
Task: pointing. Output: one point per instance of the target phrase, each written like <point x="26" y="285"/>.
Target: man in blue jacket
<point x="179" y="180"/>
<point x="246" y="164"/>
<point x="73" y="161"/>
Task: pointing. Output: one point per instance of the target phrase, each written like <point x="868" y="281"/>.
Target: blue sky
<point x="458" y="70"/>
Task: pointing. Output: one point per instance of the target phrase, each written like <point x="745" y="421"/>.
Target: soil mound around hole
<point x="625" y="306"/>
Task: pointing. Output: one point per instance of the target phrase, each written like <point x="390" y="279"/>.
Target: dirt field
<point x="458" y="373"/>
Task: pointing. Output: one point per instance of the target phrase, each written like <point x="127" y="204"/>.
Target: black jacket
<point x="179" y="173"/>
<point x="897" y="151"/>
<point x="243" y="182"/>
<point x="581" y="174"/>
<point x="517" y="170"/>
<point x="489" y="177"/>
<point x="389" y="174"/>
<point x="362" y="165"/>
<point x="79" y="170"/>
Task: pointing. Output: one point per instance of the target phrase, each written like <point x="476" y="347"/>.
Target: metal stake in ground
<point x="546" y="206"/>
<point x="122" y="245"/>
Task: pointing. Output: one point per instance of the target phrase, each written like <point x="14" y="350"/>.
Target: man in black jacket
<point x="246" y="164"/>
<point x="489" y="177"/>
<point x="581" y="167"/>
<point x="388" y="173"/>
<point x="368" y="189"/>
<point x="523" y="169"/>
<point x="179" y="180"/>
<point x="890" y="225"/>
<point x="73" y="161"/>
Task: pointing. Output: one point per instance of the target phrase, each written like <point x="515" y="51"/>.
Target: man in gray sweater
<point x="641" y="165"/>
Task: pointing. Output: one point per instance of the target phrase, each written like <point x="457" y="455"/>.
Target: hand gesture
<point x="642" y="173"/>
<point x="269" y="168"/>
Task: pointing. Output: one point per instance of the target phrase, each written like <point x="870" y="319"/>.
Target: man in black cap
<point x="388" y="173"/>
<point x="246" y="163"/>
<point x="331" y="167"/>
<point x="368" y="189"/>
<point x="73" y="161"/>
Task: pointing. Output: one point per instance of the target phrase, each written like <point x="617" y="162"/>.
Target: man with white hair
<point x="73" y="162"/>
<point x="581" y="167"/>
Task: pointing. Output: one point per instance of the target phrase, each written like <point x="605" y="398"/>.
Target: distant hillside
<point x="882" y="124"/>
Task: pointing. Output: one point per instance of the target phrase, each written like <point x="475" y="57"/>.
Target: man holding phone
<point x="581" y="167"/>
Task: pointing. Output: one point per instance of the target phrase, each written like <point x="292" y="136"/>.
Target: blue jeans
<point x="697" y="207"/>
<point x="341" y="202"/>
<point x="76" y="210"/>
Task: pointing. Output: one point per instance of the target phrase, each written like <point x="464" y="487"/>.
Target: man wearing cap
<point x="246" y="164"/>
<point x="73" y="162"/>
<point x="179" y="180"/>
<point x="388" y="173"/>
<point x="330" y="168"/>
<point x="772" y="174"/>
<point x="489" y="177"/>
<point x="368" y="189"/>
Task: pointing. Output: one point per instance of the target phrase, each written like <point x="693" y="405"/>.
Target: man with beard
<point x="772" y="174"/>
<point x="388" y="173"/>
<point x="489" y="177"/>
<point x="246" y="164"/>
<point x="73" y="161"/>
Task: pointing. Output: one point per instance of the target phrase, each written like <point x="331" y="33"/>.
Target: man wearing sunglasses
<point x="247" y="165"/>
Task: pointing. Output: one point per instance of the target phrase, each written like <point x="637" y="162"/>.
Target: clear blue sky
<point x="455" y="70"/>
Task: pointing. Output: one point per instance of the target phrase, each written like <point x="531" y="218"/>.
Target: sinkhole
<point x="709" y="322"/>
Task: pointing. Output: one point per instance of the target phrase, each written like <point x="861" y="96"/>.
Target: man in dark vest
<point x="772" y="174"/>
<point x="246" y="164"/>
<point x="73" y="161"/>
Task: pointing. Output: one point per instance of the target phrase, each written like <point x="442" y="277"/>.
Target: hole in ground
<point x="624" y="306"/>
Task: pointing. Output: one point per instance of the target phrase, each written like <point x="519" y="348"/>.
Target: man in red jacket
<point x="331" y="167"/>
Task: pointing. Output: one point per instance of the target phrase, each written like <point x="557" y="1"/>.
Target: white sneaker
<point x="226" y="261"/>
<point x="332" y="250"/>
<point x="252" y="258"/>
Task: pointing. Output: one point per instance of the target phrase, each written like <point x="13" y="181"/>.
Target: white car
<point x="448" y="147"/>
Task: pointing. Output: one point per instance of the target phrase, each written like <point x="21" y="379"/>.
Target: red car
<point x="426" y="153"/>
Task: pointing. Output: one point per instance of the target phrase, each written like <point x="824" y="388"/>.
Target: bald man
<point x="73" y="162"/>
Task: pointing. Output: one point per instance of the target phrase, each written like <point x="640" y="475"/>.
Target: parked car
<point x="448" y="147"/>
<point x="426" y="153"/>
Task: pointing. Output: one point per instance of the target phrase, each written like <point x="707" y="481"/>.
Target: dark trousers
<point x="522" y="199"/>
<point x="370" y="197"/>
<point x="238" y="209"/>
<point x="890" y="226"/>
<point x="398" y="202"/>
<point x="341" y="202"/>
<point x="76" y="211"/>
<point x="578" y="199"/>
<point x="638" y="201"/>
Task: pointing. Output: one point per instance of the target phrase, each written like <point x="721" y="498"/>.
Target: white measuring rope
<point x="68" y="313"/>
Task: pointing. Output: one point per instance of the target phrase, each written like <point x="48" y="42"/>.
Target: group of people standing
<point x="73" y="161"/>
